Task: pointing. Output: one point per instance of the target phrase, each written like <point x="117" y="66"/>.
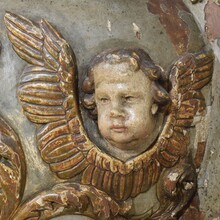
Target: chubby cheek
<point x="103" y="122"/>
<point x="136" y="115"/>
<point x="140" y="119"/>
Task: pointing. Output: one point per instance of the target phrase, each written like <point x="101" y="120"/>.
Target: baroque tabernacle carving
<point x="156" y="148"/>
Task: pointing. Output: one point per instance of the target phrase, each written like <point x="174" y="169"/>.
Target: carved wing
<point x="47" y="93"/>
<point x="188" y="76"/>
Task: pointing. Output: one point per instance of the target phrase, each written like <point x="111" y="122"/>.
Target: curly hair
<point x="138" y="59"/>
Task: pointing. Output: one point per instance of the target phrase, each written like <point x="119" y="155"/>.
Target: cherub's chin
<point x="122" y="142"/>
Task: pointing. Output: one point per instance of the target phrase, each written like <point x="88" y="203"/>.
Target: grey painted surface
<point x="209" y="175"/>
<point x="85" y="24"/>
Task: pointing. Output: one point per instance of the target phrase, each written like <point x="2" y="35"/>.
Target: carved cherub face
<point x="124" y="101"/>
<point x="124" y="89"/>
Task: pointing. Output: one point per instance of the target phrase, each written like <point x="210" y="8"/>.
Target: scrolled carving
<point x="72" y="198"/>
<point x="176" y="188"/>
<point x="12" y="171"/>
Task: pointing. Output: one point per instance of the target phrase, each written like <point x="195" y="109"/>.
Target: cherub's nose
<point x="117" y="110"/>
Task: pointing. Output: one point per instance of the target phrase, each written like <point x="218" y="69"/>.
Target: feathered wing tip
<point x="47" y="84"/>
<point x="26" y="38"/>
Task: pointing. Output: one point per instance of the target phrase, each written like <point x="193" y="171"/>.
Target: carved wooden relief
<point x="72" y="198"/>
<point x="12" y="170"/>
<point x="143" y="114"/>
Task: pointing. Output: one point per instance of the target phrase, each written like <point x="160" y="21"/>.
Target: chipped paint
<point x="173" y="176"/>
<point x="206" y="183"/>
<point x="201" y="136"/>
<point x="40" y="202"/>
<point x="109" y="26"/>
<point x="197" y="118"/>
<point x="136" y="30"/>
<point x="188" y="186"/>
<point x="175" y="27"/>
<point x="212" y="17"/>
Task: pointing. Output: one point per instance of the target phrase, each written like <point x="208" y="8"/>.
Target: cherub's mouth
<point x="118" y="128"/>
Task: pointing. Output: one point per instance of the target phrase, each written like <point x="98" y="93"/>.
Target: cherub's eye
<point x="129" y="98"/>
<point x="104" y="100"/>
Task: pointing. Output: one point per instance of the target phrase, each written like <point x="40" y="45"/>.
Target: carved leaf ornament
<point x="72" y="198"/>
<point x="12" y="171"/>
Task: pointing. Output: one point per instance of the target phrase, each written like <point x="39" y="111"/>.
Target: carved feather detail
<point x="47" y="92"/>
<point x="188" y="76"/>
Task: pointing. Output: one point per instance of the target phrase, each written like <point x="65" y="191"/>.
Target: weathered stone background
<point x="207" y="15"/>
<point x="91" y="26"/>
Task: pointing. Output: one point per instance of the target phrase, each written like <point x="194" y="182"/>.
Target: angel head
<point x="124" y="89"/>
